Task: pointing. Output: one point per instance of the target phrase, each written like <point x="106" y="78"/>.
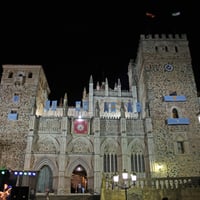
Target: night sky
<point x="74" y="43"/>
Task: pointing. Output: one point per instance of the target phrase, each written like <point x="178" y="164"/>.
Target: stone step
<point x="70" y="197"/>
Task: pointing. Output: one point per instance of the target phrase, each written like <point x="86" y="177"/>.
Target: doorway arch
<point x="79" y="180"/>
<point x="45" y="179"/>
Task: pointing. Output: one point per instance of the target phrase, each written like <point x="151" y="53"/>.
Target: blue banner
<point x="129" y="107"/>
<point x="54" y="105"/>
<point x="47" y="105"/>
<point x="78" y="105"/>
<point x="85" y="105"/>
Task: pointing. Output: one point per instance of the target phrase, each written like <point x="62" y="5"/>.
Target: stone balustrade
<point x="162" y="183"/>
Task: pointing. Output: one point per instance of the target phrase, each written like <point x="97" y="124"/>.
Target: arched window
<point x="110" y="162"/>
<point x="137" y="162"/>
<point x="110" y="157"/>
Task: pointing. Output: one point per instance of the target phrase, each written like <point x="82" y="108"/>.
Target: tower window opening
<point x="10" y="75"/>
<point x="175" y="113"/>
<point x="180" y="147"/>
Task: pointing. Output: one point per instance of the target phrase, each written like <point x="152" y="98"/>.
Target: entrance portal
<point x="79" y="180"/>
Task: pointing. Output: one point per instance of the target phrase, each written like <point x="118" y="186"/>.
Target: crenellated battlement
<point x="172" y="46"/>
<point x="163" y="36"/>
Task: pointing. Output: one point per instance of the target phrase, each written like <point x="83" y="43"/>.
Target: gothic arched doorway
<point x="79" y="180"/>
<point x="45" y="179"/>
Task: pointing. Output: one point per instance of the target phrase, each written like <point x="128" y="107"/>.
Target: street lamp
<point x="127" y="181"/>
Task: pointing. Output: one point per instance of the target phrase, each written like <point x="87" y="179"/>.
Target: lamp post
<point x="128" y="181"/>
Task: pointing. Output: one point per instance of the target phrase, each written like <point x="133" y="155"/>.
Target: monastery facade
<point x="151" y="129"/>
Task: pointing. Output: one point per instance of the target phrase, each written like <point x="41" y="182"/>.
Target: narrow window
<point x="16" y="98"/>
<point x="137" y="162"/>
<point x="10" y="75"/>
<point x="175" y="113"/>
<point x="180" y="147"/>
<point x="110" y="162"/>
<point x="30" y="75"/>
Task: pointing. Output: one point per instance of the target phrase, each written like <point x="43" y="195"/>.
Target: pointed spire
<point x="65" y="96"/>
<point x="119" y="82"/>
<point x="61" y="102"/>
<point x="115" y="88"/>
<point x="106" y="81"/>
<point x="84" y="93"/>
<point x="103" y="85"/>
<point x="98" y="86"/>
<point x="119" y="87"/>
<point x="91" y="79"/>
<point x="106" y="87"/>
<point x="65" y="99"/>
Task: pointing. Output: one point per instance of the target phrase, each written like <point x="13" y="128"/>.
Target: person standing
<point x="32" y="194"/>
<point x="47" y="194"/>
<point x="79" y="188"/>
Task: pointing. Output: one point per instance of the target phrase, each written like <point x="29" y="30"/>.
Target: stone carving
<point x="80" y="146"/>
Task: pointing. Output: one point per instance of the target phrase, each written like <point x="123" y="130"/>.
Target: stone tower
<point x="23" y="89"/>
<point x="166" y="89"/>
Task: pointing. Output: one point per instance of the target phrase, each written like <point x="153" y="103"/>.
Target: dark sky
<point x="74" y="43"/>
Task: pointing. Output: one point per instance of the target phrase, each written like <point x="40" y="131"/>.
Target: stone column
<point x="62" y="158"/>
<point x="97" y="156"/>
<point x="124" y="143"/>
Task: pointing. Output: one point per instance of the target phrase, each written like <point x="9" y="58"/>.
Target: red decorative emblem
<point x="80" y="126"/>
